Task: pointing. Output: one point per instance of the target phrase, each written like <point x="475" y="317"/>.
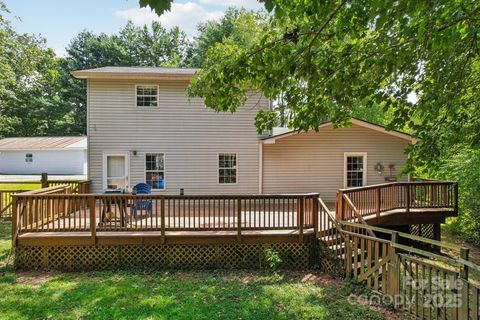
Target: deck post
<point x="377" y="202"/>
<point x="14" y="221"/>
<point x="162" y="218"/>
<point x="239" y="219"/>
<point x="407" y="207"/>
<point x="44" y="180"/>
<point x="315" y="208"/>
<point x="301" y="217"/>
<point x="464" y="276"/>
<point x="339" y="213"/>
<point x="93" y="222"/>
<point x="455" y="189"/>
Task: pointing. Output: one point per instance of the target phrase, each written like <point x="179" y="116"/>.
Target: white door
<point x="115" y="171"/>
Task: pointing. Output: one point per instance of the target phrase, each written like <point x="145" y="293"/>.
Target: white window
<point x="147" y="95"/>
<point x="227" y="168"/>
<point x="28" y="157"/>
<point x="355" y="172"/>
<point x="155" y="170"/>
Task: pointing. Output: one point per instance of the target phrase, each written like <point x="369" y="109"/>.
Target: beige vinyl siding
<point x="189" y="134"/>
<point x="314" y="161"/>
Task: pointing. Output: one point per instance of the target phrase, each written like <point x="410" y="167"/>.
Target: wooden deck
<point x="54" y="215"/>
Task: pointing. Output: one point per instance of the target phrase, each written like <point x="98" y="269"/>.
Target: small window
<point x="227" y="168"/>
<point x="147" y="96"/>
<point x="28" y="157"/>
<point x="155" y="170"/>
<point x="355" y="170"/>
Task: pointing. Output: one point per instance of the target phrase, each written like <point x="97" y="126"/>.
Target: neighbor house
<point x="143" y="128"/>
<point x="54" y="155"/>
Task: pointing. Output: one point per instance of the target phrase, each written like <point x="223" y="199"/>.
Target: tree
<point x="322" y="60"/>
<point x="212" y="32"/>
<point x="30" y="91"/>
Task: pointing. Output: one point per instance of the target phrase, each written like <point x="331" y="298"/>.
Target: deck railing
<point x="357" y="203"/>
<point x="76" y="187"/>
<point x="426" y="284"/>
<point x="62" y="211"/>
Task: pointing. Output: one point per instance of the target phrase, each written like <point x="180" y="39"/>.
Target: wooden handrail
<point x="437" y="243"/>
<point x="357" y="214"/>
<point x="375" y="199"/>
<point x="124" y="212"/>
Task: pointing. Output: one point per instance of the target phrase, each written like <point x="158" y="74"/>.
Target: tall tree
<point x="325" y="59"/>
<point x="30" y="92"/>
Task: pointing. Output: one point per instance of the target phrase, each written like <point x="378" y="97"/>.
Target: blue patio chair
<point x="142" y="204"/>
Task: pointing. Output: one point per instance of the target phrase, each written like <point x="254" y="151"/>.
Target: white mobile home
<point x="53" y="155"/>
<point x="142" y="128"/>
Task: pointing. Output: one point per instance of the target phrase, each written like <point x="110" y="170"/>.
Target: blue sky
<point x="60" y="20"/>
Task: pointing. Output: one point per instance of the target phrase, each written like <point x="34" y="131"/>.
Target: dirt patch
<point x="474" y="254"/>
<point x="34" y="278"/>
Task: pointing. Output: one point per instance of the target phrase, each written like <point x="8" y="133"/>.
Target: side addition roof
<point x="43" y="143"/>
<point x="355" y="121"/>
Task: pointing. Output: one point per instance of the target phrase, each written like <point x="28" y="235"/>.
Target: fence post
<point x="348" y="257"/>
<point x="239" y="219"/>
<point x="464" y="276"/>
<point x="93" y="222"/>
<point x="44" y="180"/>
<point x="162" y="218"/>
<point x="393" y="285"/>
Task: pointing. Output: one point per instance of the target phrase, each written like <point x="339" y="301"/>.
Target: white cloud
<point x="185" y="15"/>
<point x="247" y="4"/>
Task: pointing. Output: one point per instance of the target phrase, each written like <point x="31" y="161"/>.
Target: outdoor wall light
<point x="134" y="152"/>
<point x="379" y="168"/>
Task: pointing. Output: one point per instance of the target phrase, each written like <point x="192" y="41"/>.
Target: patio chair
<point x="142" y="204"/>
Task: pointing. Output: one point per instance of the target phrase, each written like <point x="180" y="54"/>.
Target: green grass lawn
<point x="139" y="294"/>
<point x="17" y="186"/>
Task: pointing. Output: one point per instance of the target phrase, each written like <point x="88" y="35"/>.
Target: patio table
<point x="122" y="204"/>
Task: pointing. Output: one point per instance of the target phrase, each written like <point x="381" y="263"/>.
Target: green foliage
<point x="30" y="88"/>
<point x="463" y="165"/>
<point x="272" y="259"/>
<point x="328" y="60"/>
<point x="159" y="6"/>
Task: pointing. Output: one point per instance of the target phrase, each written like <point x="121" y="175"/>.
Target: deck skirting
<point x="294" y="254"/>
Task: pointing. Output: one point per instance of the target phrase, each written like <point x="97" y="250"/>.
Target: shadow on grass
<point x="137" y="294"/>
<point x="177" y="295"/>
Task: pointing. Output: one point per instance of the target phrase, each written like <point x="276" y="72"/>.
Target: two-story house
<point x="141" y="127"/>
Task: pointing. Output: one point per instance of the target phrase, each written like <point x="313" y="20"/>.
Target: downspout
<point x="260" y="167"/>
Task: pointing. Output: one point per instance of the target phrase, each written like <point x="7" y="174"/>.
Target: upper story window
<point x="227" y="168"/>
<point x="355" y="169"/>
<point x="28" y="157"/>
<point x="147" y="95"/>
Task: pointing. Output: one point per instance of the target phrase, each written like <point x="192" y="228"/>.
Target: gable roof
<point x="355" y="121"/>
<point x="135" y="73"/>
<point x="43" y="143"/>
